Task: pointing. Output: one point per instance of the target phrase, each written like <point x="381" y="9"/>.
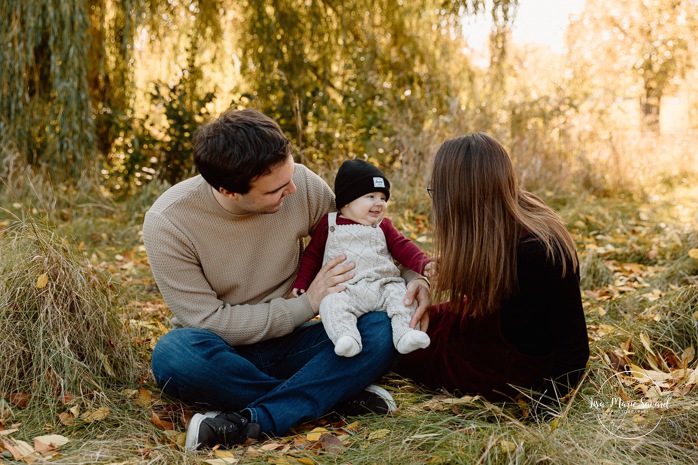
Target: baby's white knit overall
<point x="376" y="286"/>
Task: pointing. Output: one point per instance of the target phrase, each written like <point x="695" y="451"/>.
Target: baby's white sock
<point x="347" y="346"/>
<point x="411" y="341"/>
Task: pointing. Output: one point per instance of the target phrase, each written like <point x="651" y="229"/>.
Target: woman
<point x="508" y="274"/>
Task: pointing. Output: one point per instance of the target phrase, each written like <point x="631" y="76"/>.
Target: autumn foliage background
<point x="98" y="103"/>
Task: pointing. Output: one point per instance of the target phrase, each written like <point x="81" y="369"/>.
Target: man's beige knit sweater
<point x="229" y="273"/>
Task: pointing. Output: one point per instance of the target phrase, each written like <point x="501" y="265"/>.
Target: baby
<point x="369" y="240"/>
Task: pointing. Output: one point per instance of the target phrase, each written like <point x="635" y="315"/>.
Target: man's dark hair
<point x="237" y="147"/>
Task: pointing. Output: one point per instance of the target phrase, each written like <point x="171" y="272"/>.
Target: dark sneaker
<point x="373" y="399"/>
<point x="226" y="429"/>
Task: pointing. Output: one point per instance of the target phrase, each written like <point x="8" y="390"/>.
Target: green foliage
<point x="184" y="111"/>
<point x="335" y="78"/>
<point x="110" y="72"/>
<point x="144" y="150"/>
<point x="44" y="96"/>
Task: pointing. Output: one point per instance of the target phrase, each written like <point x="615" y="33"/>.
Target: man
<point x="223" y="247"/>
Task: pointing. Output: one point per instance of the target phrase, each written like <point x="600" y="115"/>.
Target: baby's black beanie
<point x="356" y="178"/>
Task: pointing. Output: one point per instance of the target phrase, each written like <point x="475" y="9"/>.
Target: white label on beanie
<point x="378" y="182"/>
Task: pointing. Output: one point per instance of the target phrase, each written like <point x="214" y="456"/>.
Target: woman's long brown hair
<point x="479" y="216"/>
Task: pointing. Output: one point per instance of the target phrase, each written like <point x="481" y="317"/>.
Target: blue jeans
<point x="281" y="382"/>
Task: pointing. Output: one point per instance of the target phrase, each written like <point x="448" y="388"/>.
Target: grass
<point x="80" y="345"/>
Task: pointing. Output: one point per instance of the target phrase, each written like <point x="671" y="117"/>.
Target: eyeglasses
<point x="430" y="191"/>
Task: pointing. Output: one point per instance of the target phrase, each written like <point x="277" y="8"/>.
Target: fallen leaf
<point x="378" y="434"/>
<point x="18" y="449"/>
<point x="20" y="399"/>
<point x="223" y="457"/>
<point x="316" y="434"/>
<point x="331" y="443"/>
<point x="143" y="398"/>
<point x="67" y="398"/>
<point x="49" y="443"/>
<point x="106" y="363"/>
<point x="352" y="427"/>
<point x="286" y="460"/>
<point x="460" y="400"/>
<point x="274" y="446"/>
<point x="160" y="423"/>
<point x="221" y="461"/>
<point x="693" y="253"/>
<point x="646" y="343"/>
<point x="66" y="418"/>
<point x="95" y="415"/>
<point x="42" y="281"/>
<point x="688" y="355"/>
<point x="554" y="424"/>
<point x="507" y="446"/>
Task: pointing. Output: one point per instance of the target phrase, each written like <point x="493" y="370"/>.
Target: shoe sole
<point x="192" y="441"/>
<point x="383" y="394"/>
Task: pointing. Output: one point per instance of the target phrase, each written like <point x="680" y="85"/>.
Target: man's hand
<point x="329" y="280"/>
<point x="419" y="289"/>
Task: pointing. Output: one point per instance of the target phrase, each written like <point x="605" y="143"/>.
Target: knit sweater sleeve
<point x="181" y="279"/>
<point x="311" y="262"/>
<point x="406" y="252"/>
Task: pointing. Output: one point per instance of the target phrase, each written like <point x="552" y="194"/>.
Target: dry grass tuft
<point x="62" y="337"/>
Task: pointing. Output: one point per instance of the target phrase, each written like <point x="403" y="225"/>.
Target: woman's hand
<point x="329" y="280"/>
<point x="419" y="289"/>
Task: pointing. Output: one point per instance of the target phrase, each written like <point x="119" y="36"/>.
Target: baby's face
<point x="368" y="209"/>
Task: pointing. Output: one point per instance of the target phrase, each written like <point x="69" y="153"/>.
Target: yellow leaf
<point x="508" y="446"/>
<point x="688" y="355"/>
<point x="41" y="281"/>
<point x="305" y="461"/>
<point x="554" y="423"/>
<point x="286" y="460"/>
<point x="316" y="433"/>
<point x="143" y="398"/>
<point x="693" y="253"/>
<point x="180" y="439"/>
<point x="378" y="434"/>
<point x="226" y="455"/>
<point x="353" y="427"/>
<point x="224" y="461"/>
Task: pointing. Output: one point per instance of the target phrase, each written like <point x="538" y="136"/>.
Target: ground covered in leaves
<point x="636" y="403"/>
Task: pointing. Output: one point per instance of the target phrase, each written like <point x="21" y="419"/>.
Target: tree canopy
<point x="328" y="71"/>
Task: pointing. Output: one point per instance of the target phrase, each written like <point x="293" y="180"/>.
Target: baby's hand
<point x="297" y="292"/>
<point x="431" y="270"/>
